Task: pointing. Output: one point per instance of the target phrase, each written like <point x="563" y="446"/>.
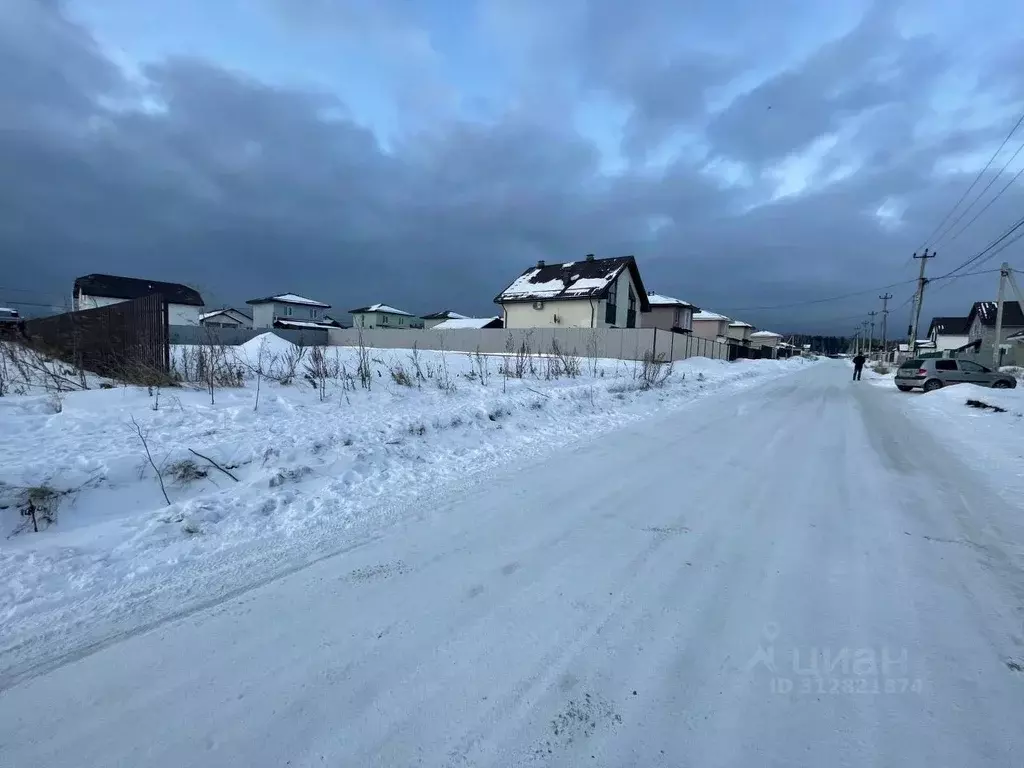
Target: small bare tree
<point x="149" y="458"/>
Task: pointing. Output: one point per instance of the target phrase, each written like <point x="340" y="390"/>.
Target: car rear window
<point x="911" y="363"/>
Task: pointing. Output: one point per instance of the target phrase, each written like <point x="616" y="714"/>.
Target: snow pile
<point x="986" y="439"/>
<point x="254" y="486"/>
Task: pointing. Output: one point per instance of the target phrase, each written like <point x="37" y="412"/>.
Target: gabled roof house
<point x="670" y="314"/>
<point x="949" y="332"/>
<point x="429" y="321"/>
<point x="590" y="293"/>
<point x="981" y="322"/>
<point x="711" y="325"/>
<point x="289" y="311"/>
<point x="384" y="316"/>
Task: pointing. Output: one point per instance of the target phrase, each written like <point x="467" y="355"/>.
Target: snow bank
<point x="989" y="441"/>
<point x="254" y="490"/>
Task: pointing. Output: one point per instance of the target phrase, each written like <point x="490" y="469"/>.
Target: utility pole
<point x="918" y="300"/>
<point x="1005" y="278"/>
<point x="865" y="350"/>
<point x="871" y="338"/>
<point x="885" y="316"/>
<point x="996" y="356"/>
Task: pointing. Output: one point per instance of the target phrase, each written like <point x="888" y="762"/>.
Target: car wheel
<point x="932" y="384"/>
<point x="1001" y="385"/>
<point x="902" y="388"/>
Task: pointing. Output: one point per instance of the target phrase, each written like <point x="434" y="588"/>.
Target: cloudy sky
<point x="424" y="152"/>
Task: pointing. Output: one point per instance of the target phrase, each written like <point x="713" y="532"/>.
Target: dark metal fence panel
<point x="127" y="340"/>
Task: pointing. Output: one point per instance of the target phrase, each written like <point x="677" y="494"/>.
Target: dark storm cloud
<point x="243" y="189"/>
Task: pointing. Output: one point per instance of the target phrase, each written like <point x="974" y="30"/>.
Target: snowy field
<point x="150" y="502"/>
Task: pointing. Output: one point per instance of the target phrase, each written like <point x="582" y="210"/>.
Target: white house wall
<point x="944" y="342"/>
<point x="575" y="313"/>
<point x="571" y="314"/>
<point x="177" y="314"/>
<point x="262" y="315"/>
<point x="183" y="314"/>
<point x="375" y="320"/>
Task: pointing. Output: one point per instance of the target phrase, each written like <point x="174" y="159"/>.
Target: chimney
<point x="590" y="257"/>
<point x="540" y="263"/>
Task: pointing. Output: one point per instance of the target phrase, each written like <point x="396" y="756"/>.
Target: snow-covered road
<point x="790" y="575"/>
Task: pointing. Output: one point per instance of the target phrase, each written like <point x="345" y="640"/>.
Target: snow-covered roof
<point x="951" y="326"/>
<point x="588" y="279"/>
<point x="739" y="324"/>
<point x="300" y="324"/>
<point x="660" y="300"/>
<point x="463" y="323"/>
<point x="288" y="298"/>
<point x="7" y="309"/>
<point x="379" y="308"/>
<point x="445" y="314"/>
<point x="986" y="311"/>
<point x="765" y="335"/>
<point x="226" y="310"/>
<point x="705" y="315"/>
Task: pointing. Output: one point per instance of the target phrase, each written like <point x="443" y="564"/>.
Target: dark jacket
<point x="859" y="360"/>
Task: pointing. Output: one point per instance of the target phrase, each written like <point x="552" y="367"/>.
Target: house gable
<point x="128" y="288"/>
<point x="585" y="280"/>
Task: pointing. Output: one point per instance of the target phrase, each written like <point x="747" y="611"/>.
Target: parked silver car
<point x="932" y="373"/>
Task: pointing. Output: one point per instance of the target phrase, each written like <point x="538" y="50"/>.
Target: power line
<point x="1013" y="228"/>
<point x="981" y="194"/>
<point x="974" y="183"/>
<point x="999" y="194"/>
<point x="816" y="301"/>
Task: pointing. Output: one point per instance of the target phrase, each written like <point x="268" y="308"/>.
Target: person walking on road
<point x="858" y="366"/>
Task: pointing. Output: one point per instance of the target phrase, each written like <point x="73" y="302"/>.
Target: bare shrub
<point x="481" y="366"/>
<point x="570" y="362"/>
<point x="39" y="507"/>
<point x="654" y="371"/>
<point x="185" y="471"/>
<point x="363" y="371"/>
<point x="414" y="359"/>
<point x="592" y="352"/>
<point x="320" y="369"/>
<point x="400" y="376"/>
<point x="290" y="360"/>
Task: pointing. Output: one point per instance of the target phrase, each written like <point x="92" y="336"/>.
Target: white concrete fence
<point x="613" y="343"/>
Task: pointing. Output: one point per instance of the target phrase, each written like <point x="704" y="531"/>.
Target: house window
<point x="401" y="321"/>
<point x="287" y="311"/>
<point x="631" y="311"/>
<point x="611" y="310"/>
<point x="383" y="319"/>
<point x="315" y="314"/>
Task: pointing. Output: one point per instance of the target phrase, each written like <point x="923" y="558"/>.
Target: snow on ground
<point x="310" y="476"/>
<point x="986" y="440"/>
<point x="791" y="575"/>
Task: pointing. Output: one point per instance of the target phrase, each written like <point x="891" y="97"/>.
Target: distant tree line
<point x="826" y="345"/>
